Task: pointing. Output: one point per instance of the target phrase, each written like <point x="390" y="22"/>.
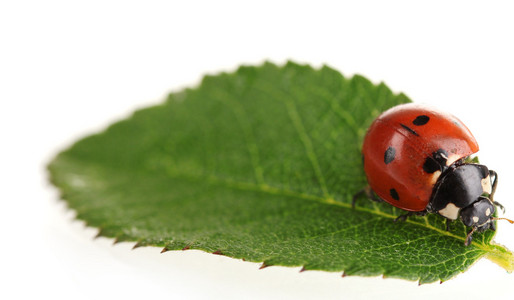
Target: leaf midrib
<point x="270" y="190"/>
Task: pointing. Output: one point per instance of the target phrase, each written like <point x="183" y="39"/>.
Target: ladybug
<point x="416" y="158"/>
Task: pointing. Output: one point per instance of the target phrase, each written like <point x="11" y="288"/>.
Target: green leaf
<point x="260" y="164"/>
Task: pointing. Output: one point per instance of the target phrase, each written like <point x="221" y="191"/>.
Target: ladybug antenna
<point x="510" y="221"/>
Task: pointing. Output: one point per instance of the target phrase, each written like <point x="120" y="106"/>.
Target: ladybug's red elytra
<point x="416" y="158"/>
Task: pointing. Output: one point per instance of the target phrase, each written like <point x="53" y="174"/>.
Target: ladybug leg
<point x="492" y="226"/>
<point x="495" y="183"/>
<point x="404" y="217"/>
<point x="357" y="195"/>
<point x="493" y="190"/>
<point x="368" y="192"/>
<point x="374" y="197"/>
<point x="499" y="205"/>
<point x="469" y="237"/>
<point x="448" y="223"/>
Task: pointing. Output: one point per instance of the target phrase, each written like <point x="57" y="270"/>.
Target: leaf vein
<point x="331" y="233"/>
<point x="307" y="143"/>
<point x="325" y="200"/>
<point x="242" y="119"/>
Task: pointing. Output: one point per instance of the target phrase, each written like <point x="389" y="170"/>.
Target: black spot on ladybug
<point x="394" y="194"/>
<point x="421" y="120"/>
<point x="436" y="162"/>
<point x="409" y="129"/>
<point x="430" y="165"/>
<point x="389" y="155"/>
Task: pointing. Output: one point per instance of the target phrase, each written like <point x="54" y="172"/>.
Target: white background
<point x="69" y="68"/>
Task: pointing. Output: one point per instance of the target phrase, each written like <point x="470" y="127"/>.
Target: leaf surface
<point x="260" y="164"/>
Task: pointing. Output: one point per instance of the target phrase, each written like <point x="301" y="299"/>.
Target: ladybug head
<point x="479" y="214"/>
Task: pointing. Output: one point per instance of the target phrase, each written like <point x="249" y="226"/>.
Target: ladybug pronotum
<point x="416" y="158"/>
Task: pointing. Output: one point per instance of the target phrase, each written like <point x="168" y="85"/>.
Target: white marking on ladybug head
<point x="475" y="219"/>
<point x="486" y="185"/>
<point x="452" y="158"/>
<point x="450" y="211"/>
<point x="434" y="177"/>
<point x="488" y="211"/>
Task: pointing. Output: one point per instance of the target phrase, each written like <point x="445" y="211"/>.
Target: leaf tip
<point x="165" y="250"/>
<point x="217" y="252"/>
<point x="501" y="256"/>
<point x="137" y="245"/>
<point x="186" y="247"/>
<point x="264" y="265"/>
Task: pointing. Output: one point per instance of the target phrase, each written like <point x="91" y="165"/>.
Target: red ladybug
<point x="415" y="158"/>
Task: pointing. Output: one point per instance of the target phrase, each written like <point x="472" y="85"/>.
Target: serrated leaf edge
<point x="494" y="252"/>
